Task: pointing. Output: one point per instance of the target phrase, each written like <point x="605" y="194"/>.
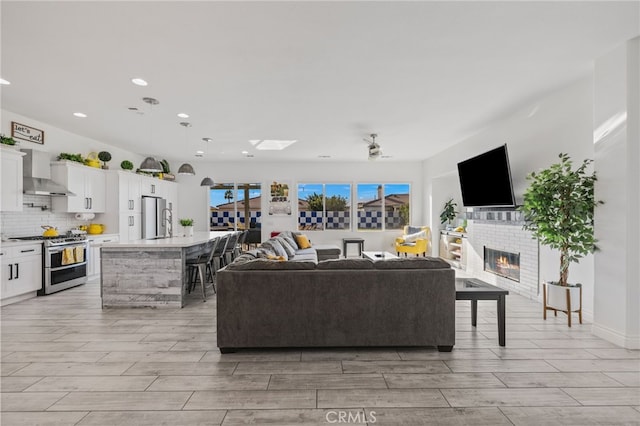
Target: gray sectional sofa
<point x="264" y="303"/>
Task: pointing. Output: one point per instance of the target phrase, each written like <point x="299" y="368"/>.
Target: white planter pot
<point x="188" y="231"/>
<point x="557" y="297"/>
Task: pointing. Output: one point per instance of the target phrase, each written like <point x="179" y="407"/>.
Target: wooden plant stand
<point x="568" y="311"/>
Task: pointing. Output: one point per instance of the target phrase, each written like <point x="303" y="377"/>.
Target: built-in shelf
<point x="452" y="248"/>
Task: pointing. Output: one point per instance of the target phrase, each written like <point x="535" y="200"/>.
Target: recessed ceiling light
<point x="199" y="152"/>
<point x="324" y="156"/>
<point x="245" y="152"/>
<point x="139" y="82"/>
<point x="80" y="114"/>
<point x="207" y="139"/>
<point x="5" y="82"/>
<point x="271" y="144"/>
<point x="183" y="115"/>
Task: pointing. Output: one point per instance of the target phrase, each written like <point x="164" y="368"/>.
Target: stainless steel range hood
<point x="36" y="172"/>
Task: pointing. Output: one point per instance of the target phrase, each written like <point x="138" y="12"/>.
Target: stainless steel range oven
<point x="65" y="265"/>
<point x="64" y="262"/>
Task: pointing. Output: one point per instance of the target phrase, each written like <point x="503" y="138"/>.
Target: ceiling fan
<point x="374" y="148"/>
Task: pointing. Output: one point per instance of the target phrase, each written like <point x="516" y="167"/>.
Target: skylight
<point x="271" y="144"/>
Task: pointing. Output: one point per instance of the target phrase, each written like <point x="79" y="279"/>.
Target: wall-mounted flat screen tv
<point x="485" y="180"/>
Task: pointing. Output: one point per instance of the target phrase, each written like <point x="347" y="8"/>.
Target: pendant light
<point x="186" y="168"/>
<point x="150" y="164"/>
<point x="207" y="182"/>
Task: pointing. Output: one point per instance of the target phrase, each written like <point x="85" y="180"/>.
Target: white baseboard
<point x="18" y="298"/>
<point x="615" y="337"/>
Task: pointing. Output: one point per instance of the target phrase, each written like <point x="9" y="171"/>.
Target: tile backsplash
<point x="28" y="222"/>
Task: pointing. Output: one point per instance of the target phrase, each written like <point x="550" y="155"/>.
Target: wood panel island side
<point x="149" y="273"/>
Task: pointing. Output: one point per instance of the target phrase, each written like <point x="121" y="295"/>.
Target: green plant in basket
<point x="186" y="222"/>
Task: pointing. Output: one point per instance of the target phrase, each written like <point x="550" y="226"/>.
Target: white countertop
<point x="18" y="243"/>
<point x="97" y="236"/>
<point x="175" y="242"/>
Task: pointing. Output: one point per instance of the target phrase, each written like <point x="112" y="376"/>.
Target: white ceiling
<point x="423" y="75"/>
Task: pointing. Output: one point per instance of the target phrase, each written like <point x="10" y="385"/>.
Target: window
<point x="337" y="206"/>
<point x="396" y="205"/>
<point x="231" y="204"/>
<point x="324" y="206"/>
<point x="383" y="206"/>
<point x="370" y="206"/>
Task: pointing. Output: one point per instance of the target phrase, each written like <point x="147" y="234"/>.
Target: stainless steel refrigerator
<point x="154" y="218"/>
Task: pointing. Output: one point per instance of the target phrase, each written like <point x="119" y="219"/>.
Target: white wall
<point x="58" y="140"/>
<point x="194" y="202"/>
<point x="617" y="270"/>
<point x="535" y="134"/>
<point x="193" y="199"/>
<point x="29" y="221"/>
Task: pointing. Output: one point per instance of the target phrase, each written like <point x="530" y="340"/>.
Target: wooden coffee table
<point x="378" y="255"/>
<point x="473" y="289"/>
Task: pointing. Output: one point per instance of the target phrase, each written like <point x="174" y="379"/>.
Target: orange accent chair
<point x="415" y="240"/>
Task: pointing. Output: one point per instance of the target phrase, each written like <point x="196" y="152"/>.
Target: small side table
<point x="358" y="241"/>
<point x="474" y="290"/>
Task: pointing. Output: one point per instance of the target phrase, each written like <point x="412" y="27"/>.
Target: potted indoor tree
<point x="558" y="209"/>
<point x="448" y="213"/>
<point x="187" y="225"/>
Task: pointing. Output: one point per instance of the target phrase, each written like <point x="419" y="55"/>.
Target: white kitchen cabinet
<point x="151" y="187"/>
<point x="93" y="261"/>
<point x="21" y="272"/>
<point x="88" y="183"/>
<point x="11" y="161"/>
<point x="130" y="226"/>
<point x="129" y="192"/>
<point x="124" y="201"/>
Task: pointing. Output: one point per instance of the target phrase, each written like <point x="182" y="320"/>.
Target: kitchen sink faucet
<point x="169" y="218"/>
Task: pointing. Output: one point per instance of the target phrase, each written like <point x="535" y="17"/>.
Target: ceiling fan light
<point x="207" y="182"/>
<point x="186" y="169"/>
<point x="150" y="164"/>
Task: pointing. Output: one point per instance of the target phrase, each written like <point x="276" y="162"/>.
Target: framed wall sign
<point x="26" y="133"/>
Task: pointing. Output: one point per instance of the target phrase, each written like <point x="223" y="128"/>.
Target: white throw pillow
<point x="413" y="237"/>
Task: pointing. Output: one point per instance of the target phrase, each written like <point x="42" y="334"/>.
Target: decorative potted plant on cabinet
<point x="7" y="140"/>
<point x="187" y="224"/>
<point x="166" y="171"/>
<point x="105" y="157"/>
<point x="126" y="165"/>
<point x="558" y="209"/>
<point x="448" y="213"/>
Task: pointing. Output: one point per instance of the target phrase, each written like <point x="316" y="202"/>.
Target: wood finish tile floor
<point x="65" y="361"/>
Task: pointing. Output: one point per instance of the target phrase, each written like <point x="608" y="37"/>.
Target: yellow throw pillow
<point x="303" y="241"/>
<point x="273" y="257"/>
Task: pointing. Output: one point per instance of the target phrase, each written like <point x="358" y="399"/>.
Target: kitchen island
<point x="149" y="273"/>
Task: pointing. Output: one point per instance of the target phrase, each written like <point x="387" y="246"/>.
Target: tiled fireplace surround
<point x="502" y="230"/>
